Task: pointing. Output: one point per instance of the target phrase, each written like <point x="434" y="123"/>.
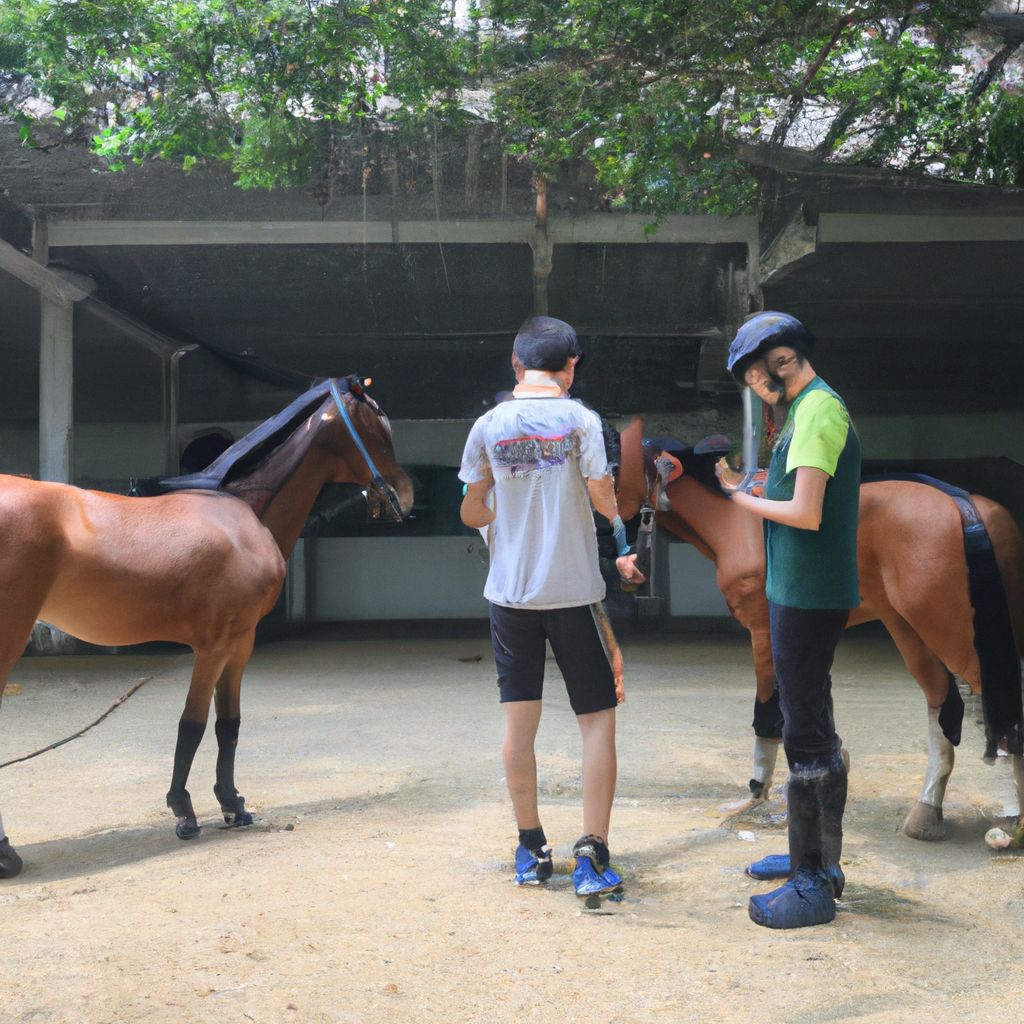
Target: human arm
<point x="475" y="512"/>
<point x="475" y="472"/>
<point x="821" y="426"/>
<point x="602" y="497"/>
<point x="802" y="511"/>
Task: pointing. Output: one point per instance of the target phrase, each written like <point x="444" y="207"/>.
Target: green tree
<point x="264" y="85"/>
<point x="662" y="98"/>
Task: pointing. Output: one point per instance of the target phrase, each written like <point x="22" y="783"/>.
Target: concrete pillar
<point x="56" y="390"/>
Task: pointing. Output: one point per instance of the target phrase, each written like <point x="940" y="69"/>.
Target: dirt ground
<point x="375" y="884"/>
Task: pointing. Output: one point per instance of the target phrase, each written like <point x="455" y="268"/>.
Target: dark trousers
<point x="803" y="646"/>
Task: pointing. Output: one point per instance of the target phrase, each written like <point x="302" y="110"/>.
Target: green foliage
<point x="655" y="95"/>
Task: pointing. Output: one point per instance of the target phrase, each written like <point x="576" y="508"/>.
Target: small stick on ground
<point x="81" y="732"/>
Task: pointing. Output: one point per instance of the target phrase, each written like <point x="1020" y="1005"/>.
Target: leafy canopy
<point x="656" y="95"/>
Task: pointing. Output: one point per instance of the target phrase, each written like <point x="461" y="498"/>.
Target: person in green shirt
<point x="810" y="508"/>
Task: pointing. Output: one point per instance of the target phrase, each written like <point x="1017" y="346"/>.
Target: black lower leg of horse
<point x="232" y="803"/>
<point x="951" y="714"/>
<point x="767" y="725"/>
<point x="768" y="720"/>
<point x="178" y="799"/>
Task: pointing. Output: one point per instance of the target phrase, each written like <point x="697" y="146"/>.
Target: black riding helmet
<point x="762" y="332"/>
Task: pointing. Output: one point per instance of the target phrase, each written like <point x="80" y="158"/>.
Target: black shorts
<point x="518" y="636"/>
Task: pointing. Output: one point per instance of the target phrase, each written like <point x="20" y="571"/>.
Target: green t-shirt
<point x="808" y="568"/>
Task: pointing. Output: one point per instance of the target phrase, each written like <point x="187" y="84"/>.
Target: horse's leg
<point x="227" y="698"/>
<point x="205" y="672"/>
<point x="945" y="717"/>
<point x="767" y="716"/>
<point x="18" y="611"/>
<point x="1018" y="782"/>
<point x="10" y="862"/>
<point x="745" y="597"/>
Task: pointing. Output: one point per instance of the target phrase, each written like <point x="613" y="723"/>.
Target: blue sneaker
<point x="593" y="875"/>
<point x="777" y="865"/>
<point x="808" y="898"/>
<point x="533" y="866"/>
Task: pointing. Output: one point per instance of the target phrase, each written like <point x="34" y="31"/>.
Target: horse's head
<point x="361" y="445"/>
<point x="650" y="464"/>
<point x="646" y="470"/>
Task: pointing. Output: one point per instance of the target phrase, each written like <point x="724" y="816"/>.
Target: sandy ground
<point x="375" y="885"/>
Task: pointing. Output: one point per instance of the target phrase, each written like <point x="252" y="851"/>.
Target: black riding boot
<point x="10" y="862"/>
<point x="817" y="797"/>
<point x="832" y="799"/>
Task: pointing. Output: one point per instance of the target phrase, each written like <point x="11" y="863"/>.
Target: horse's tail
<point x="994" y="641"/>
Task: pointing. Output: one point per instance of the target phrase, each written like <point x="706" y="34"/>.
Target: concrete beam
<point x="836" y="228"/>
<point x="48" y="283"/>
<point x="157" y="343"/>
<point x="794" y="243"/>
<point x="591" y="229"/>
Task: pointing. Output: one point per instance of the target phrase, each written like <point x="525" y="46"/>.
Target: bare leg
<point x="522" y="719"/>
<point x="599" y="771"/>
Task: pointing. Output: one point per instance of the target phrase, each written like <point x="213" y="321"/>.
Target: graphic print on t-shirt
<point x="532" y="453"/>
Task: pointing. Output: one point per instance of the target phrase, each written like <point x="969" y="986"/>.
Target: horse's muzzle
<point x="382" y="501"/>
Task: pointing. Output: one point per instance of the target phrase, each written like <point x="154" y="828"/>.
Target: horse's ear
<point x="632" y="478"/>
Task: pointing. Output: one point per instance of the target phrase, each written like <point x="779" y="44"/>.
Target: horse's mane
<point x="247" y="453"/>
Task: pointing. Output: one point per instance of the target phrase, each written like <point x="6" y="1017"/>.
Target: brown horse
<point x="913" y="578"/>
<point x="199" y="565"/>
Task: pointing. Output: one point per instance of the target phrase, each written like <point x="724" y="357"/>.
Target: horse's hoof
<point x="924" y="822"/>
<point x="10" y="862"/>
<point x="187" y="828"/>
<point x="233" y="808"/>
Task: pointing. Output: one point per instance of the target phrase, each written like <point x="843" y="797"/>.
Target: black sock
<point x="532" y="838"/>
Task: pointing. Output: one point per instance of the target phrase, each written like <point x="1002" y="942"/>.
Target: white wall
<point x="443" y="577"/>
<point x="359" y="578"/>
<point x="116" y="451"/>
<point x="692" y="587"/>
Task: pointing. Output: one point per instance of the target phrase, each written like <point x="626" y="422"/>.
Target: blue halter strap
<point x="378" y="480"/>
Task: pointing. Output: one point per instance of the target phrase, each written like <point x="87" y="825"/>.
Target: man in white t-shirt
<point x="534" y="466"/>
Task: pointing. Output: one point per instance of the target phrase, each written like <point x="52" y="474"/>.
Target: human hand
<point x="728" y="479"/>
<point x="732" y="480"/>
<point x="626" y="564"/>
